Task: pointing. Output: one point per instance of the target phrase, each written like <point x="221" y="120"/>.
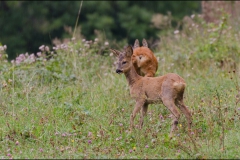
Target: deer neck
<point x="132" y="76"/>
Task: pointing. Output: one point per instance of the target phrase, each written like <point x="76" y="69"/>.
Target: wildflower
<point x="176" y="32"/>
<point x="89" y="134"/>
<point x="12" y="61"/>
<point x="96" y="39"/>
<point x="4" y="84"/>
<point x="64" y="134"/>
<point x="89" y="142"/>
<point x="9" y="155"/>
<point x="106" y="43"/>
<point x="192" y="16"/>
<point x="192" y="132"/>
<point x="5" y="47"/>
<point x="86" y="45"/>
<point x="180" y="125"/>
<point x="117" y="139"/>
<point x="17" y="142"/>
<point x="134" y="148"/>
<point x="73" y="38"/>
<point x="39" y="54"/>
<point x="46" y="48"/>
<point x="72" y="140"/>
<point x="42" y="47"/>
<point x="130" y="151"/>
<point x="41" y="150"/>
<point x="120" y="124"/>
<point x="146" y="146"/>
<point x="161" y="117"/>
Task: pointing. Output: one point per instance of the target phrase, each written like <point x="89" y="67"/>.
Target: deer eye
<point x="124" y="62"/>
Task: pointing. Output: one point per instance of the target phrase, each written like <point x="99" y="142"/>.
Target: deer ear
<point x="116" y="52"/>
<point x="144" y="42"/>
<point x="136" y="44"/>
<point x="129" y="51"/>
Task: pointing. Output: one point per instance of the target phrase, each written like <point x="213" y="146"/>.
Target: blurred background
<point x="26" y="25"/>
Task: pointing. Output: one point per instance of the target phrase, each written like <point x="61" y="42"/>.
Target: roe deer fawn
<point x="167" y="89"/>
<point x="143" y="59"/>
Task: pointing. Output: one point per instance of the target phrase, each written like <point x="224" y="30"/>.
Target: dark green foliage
<point x="25" y="25"/>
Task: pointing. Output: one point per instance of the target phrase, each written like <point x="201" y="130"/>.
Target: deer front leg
<point x="137" y="108"/>
<point x="143" y="113"/>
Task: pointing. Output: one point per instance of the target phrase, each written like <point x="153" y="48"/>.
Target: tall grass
<point x="73" y="104"/>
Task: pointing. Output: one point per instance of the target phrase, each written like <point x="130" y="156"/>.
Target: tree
<point x="26" y="25"/>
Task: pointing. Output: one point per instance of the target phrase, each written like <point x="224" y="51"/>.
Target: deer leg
<point x="176" y="115"/>
<point x="186" y="112"/>
<point x="137" y="108"/>
<point x="143" y="113"/>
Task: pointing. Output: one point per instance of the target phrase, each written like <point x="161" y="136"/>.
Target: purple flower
<point x="130" y="151"/>
<point x="42" y="47"/>
<point x="46" y="48"/>
<point x="9" y="155"/>
<point x="146" y="146"/>
<point x="89" y="142"/>
<point x="161" y="117"/>
<point x="41" y="150"/>
<point x="120" y="124"/>
<point x="39" y="54"/>
<point x="17" y="143"/>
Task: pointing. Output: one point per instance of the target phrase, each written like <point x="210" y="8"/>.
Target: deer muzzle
<point x="119" y="71"/>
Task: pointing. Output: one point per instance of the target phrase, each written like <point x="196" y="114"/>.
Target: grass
<point x="74" y="105"/>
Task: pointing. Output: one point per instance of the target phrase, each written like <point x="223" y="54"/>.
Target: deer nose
<point x="118" y="71"/>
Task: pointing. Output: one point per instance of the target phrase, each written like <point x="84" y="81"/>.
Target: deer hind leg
<point x="186" y="112"/>
<point x="143" y="113"/>
<point x="137" y="108"/>
<point x="169" y="103"/>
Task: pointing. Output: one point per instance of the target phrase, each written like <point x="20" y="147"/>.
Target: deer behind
<point x="143" y="59"/>
<point x="167" y="89"/>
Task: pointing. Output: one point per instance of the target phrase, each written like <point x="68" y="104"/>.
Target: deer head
<point x="124" y="59"/>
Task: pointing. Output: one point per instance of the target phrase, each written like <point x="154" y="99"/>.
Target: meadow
<point x="68" y="102"/>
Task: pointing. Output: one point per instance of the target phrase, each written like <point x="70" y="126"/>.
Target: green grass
<point x="75" y="105"/>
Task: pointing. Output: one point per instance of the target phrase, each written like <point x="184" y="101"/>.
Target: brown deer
<point x="167" y="89"/>
<point x="143" y="59"/>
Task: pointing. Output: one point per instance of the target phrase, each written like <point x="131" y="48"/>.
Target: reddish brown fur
<point x="167" y="89"/>
<point x="143" y="59"/>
